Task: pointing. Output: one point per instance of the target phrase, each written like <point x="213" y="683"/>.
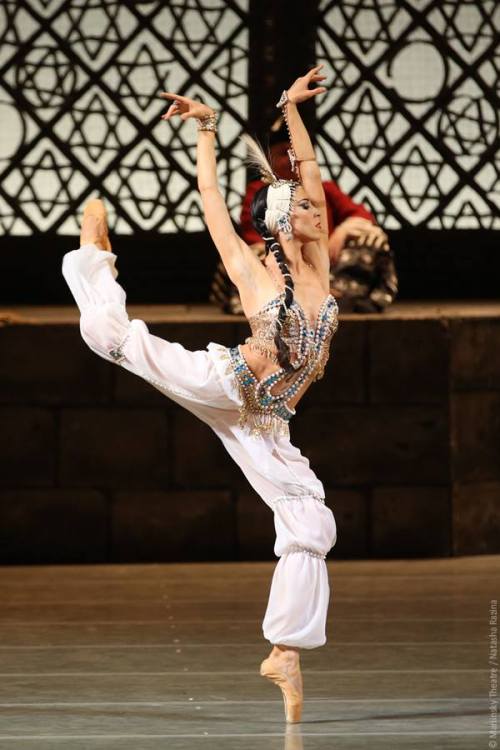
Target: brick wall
<point x="404" y="431"/>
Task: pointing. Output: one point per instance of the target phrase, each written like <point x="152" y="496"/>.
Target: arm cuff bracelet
<point x="207" y="123"/>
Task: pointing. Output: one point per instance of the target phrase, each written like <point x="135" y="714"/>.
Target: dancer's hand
<point x="185" y="107"/>
<point x="299" y="91"/>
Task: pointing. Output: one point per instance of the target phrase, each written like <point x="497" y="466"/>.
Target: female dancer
<point x="246" y="394"/>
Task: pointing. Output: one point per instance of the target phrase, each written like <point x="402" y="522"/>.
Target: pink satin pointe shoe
<point x="94" y="229"/>
<point x="285" y="672"/>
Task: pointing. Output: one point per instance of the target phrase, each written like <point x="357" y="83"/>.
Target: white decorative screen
<point x="79" y="110"/>
<point x="410" y="124"/>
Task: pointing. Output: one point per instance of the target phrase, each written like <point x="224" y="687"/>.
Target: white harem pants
<point x="203" y="382"/>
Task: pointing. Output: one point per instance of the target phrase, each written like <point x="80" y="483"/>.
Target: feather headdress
<point x="280" y="193"/>
<point x="257" y="159"/>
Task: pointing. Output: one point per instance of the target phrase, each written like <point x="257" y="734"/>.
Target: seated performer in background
<point x="362" y="272"/>
<point x="247" y="394"/>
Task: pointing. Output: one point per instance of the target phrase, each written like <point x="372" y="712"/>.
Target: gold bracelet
<point x="209" y="122"/>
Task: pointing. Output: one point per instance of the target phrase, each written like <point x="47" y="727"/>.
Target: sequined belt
<point x="261" y="410"/>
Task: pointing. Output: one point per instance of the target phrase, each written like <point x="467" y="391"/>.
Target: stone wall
<point x="475" y="434"/>
<point x="404" y="432"/>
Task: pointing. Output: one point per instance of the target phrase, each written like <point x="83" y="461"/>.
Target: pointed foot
<point x="94" y="230"/>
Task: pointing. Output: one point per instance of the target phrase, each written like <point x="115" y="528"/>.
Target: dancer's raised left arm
<point x="305" y="157"/>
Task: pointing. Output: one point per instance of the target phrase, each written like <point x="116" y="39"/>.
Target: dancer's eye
<point x="304" y="204"/>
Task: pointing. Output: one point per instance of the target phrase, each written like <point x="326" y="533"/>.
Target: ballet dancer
<point x="248" y="393"/>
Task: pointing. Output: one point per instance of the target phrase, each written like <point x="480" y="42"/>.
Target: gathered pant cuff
<point x="305" y="551"/>
<point x="298" y="601"/>
<point x="300" y="593"/>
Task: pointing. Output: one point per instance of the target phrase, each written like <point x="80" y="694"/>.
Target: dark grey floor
<point x="167" y="656"/>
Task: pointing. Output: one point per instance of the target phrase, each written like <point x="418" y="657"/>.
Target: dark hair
<point x="258" y="209"/>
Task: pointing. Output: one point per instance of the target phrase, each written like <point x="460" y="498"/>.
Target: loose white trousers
<point x="203" y="383"/>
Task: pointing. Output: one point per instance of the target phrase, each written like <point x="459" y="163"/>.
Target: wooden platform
<point x="97" y="466"/>
<point x="145" y="657"/>
<point x="189" y="313"/>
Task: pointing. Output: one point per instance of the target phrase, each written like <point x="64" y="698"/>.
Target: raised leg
<point x="94" y="229"/>
<point x="191" y="378"/>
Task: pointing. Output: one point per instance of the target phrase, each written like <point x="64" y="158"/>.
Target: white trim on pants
<point x="203" y="382"/>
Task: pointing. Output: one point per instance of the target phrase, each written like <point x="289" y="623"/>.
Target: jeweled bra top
<point x="262" y="409"/>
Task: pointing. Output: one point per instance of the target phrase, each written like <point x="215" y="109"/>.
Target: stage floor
<point x="167" y="656"/>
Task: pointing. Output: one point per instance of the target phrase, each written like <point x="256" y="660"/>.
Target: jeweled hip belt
<point x="262" y="411"/>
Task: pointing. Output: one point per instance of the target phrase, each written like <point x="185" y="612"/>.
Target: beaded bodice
<point x="266" y="403"/>
<point x="307" y="345"/>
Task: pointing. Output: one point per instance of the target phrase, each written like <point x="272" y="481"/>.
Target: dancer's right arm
<point x="231" y="247"/>
<point x="242" y="266"/>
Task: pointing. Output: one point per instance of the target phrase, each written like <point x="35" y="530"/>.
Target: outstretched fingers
<point x="185" y="107"/>
<point x="314" y="76"/>
<point x="171" y="111"/>
<point x="314" y="71"/>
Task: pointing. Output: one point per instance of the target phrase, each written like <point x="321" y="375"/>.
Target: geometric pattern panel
<point x="80" y="112"/>
<point x="410" y="124"/>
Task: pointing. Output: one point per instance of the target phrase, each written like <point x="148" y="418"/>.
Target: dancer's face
<point x="305" y="218"/>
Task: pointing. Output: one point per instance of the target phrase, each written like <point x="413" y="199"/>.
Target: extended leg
<point x="298" y="602"/>
<point x="189" y="378"/>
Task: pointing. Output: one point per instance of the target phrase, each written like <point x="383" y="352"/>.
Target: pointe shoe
<point x="94" y="229"/>
<point x="288" y="677"/>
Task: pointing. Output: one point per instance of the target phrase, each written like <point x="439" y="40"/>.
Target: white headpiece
<point x="280" y="192"/>
<point x="279" y="205"/>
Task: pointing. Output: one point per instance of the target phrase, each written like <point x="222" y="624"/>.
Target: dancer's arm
<point x="309" y="171"/>
<point x="241" y="264"/>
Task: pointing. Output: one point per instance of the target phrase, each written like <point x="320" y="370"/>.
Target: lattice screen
<point x="410" y="124"/>
<point x="79" y="111"/>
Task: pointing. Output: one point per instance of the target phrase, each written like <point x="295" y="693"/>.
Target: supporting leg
<point x="300" y="592"/>
<point x="298" y="601"/>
